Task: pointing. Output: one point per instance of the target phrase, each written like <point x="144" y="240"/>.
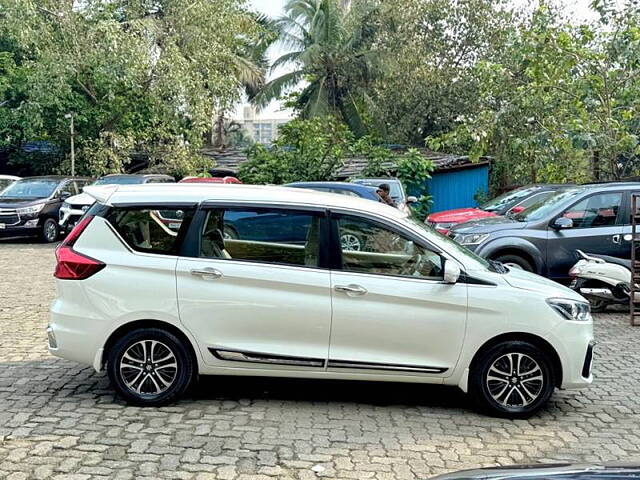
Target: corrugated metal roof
<point x="353" y="166"/>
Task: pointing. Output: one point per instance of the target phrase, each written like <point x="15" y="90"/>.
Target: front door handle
<point x="207" y="273"/>
<point x="351" y="289"/>
<point x="616" y="239"/>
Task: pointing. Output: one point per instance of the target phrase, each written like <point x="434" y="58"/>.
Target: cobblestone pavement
<point x="61" y="420"/>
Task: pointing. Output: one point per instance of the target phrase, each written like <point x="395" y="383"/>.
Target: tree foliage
<point x="138" y="76"/>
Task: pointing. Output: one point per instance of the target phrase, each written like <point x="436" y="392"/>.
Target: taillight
<point x="71" y="264"/>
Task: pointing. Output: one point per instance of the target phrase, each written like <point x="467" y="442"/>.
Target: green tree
<point x="141" y="77"/>
<point x="328" y="51"/>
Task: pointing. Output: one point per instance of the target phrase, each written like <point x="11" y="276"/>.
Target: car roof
<point x="377" y="179"/>
<point x="9" y="177"/>
<point x="141" y="175"/>
<point x="56" y="178"/>
<point x="202" y="192"/>
<point x="345" y="185"/>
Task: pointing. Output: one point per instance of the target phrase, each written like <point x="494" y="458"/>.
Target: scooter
<point x="602" y="279"/>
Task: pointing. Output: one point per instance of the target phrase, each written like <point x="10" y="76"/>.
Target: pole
<point x="73" y="152"/>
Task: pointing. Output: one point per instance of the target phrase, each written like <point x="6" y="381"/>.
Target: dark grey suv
<point x="544" y="238"/>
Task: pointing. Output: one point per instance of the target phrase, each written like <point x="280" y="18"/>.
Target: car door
<point x="255" y="301"/>
<point x="392" y="312"/>
<point x="597" y="228"/>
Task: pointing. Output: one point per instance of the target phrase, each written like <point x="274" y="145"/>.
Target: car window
<point x="600" y="210"/>
<point x="29" y="188"/>
<point x="507" y="200"/>
<point x="159" y="180"/>
<point x="70" y="188"/>
<point x="281" y="236"/>
<point x="151" y="230"/>
<point x="533" y="199"/>
<point x="368" y="247"/>
<point x="339" y="191"/>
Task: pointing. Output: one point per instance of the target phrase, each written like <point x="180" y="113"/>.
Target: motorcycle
<point x="602" y="279"/>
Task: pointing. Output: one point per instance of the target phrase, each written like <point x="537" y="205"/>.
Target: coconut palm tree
<point x="326" y="44"/>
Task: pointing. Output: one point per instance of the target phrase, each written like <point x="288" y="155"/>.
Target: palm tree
<point x="327" y="45"/>
<point x="250" y="65"/>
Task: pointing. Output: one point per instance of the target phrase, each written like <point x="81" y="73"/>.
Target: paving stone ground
<point x="61" y="420"/>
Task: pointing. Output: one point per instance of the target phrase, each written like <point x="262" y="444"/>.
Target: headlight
<point x="571" y="309"/>
<point x="30" y="210"/>
<point x="471" y="238"/>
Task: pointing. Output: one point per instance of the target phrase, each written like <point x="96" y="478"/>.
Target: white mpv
<point x="160" y="284"/>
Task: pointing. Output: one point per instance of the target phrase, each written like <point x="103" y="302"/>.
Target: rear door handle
<point x="351" y="289"/>
<point x="207" y="273"/>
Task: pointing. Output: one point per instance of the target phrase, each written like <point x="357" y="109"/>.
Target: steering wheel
<point x="412" y="264"/>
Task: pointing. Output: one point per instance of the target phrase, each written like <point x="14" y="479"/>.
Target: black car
<point x="543" y="238"/>
<point x="30" y="206"/>
<point x="558" y="471"/>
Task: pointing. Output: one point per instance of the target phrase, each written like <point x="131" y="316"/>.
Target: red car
<point x="209" y="180"/>
<point x="514" y="201"/>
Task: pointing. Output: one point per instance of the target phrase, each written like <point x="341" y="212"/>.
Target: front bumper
<point x="26" y="227"/>
<point x="574" y="343"/>
<point x="68" y="217"/>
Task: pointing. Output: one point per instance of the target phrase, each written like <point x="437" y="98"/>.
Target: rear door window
<point x="151" y="230"/>
<point x="266" y="235"/>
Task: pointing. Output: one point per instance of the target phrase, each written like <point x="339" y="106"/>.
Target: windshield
<point x="451" y="246"/>
<point x="4" y="182"/>
<point x="504" y="202"/>
<point x="30" y="189"/>
<point x="124" y="180"/>
<point x="395" y="187"/>
<point x="546" y="206"/>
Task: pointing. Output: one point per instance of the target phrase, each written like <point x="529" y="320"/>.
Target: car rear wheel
<point x="350" y="242"/>
<point x="50" y="231"/>
<point x="150" y="367"/>
<point x="515" y="261"/>
<point x="513" y="379"/>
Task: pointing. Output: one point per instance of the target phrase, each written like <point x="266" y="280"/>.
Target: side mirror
<point x="517" y="209"/>
<point x="562" y="222"/>
<point x="451" y="272"/>
<point x="64" y="195"/>
<point x="411" y="199"/>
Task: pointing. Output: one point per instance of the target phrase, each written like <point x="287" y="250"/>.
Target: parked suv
<point x="157" y="305"/>
<point x="543" y="238"/>
<point x="74" y="207"/>
<point x="30" y="206"/>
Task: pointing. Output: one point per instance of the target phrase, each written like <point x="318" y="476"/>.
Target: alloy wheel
<point x="50" y="231"/>
<point x="515" y="380"/>
<point x="148" y="367"/>
<point x="350" y="242"/>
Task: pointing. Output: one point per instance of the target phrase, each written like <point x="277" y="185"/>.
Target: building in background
<point x="262" y="127"/>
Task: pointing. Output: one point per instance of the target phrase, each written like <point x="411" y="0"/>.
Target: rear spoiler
<point x="102" y="193"/>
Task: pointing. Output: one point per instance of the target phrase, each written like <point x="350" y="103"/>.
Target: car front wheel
<point x="150" y="367"/>
<point x="513" y="379"/>
<point x="50" y="231"/>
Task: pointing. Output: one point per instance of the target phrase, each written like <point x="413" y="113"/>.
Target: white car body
<point x="6" y="180"/>
<point x="76" y="205"/>
<point x="417" y="330"/>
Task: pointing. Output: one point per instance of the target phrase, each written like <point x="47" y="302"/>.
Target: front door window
<point x="599" y="210"/>
<point x="368" y="247"/>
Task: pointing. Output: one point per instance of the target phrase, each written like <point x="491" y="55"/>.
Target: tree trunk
<point x="595" y="165"/>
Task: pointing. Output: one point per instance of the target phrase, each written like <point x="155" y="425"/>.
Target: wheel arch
<point x="539" y="342"/>
<point x="148" y="323"/>
<point x="515" y="246"/>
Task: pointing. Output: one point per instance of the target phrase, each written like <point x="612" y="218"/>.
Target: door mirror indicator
<point x="451" y="272"/>
<point x="562" y="223"/>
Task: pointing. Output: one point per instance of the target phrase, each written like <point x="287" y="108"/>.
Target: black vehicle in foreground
<point x="30" y="206"/>
<point x="544" y="238"/>
<point x="562" y="471"/>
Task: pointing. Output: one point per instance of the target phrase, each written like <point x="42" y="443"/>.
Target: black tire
<point x="50" y="231"/>
<point x="153" y="388"/>
<point x="511" y="259"/>
<point x="524" y="394"/>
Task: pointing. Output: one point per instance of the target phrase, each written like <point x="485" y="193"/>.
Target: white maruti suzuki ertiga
<point x="163" y="283"/>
